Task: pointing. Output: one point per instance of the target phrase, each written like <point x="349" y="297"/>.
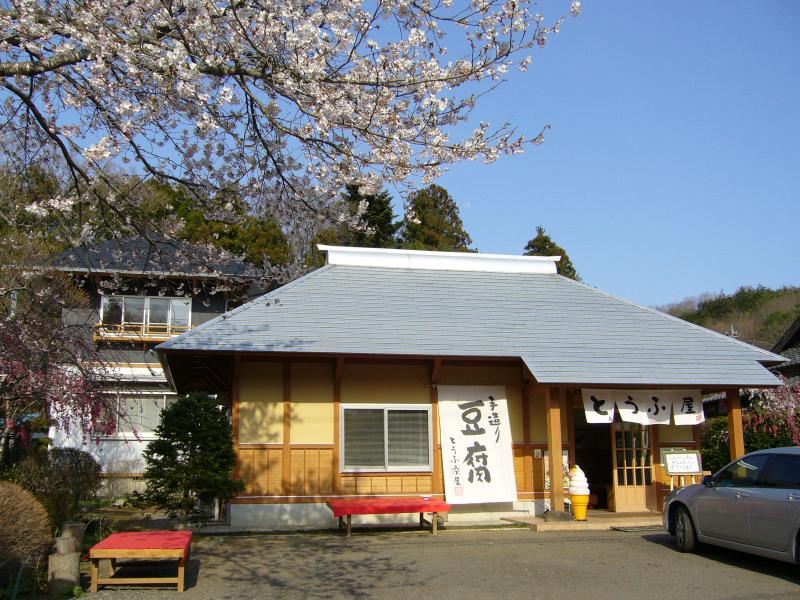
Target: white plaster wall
<point x="115" y="454"/>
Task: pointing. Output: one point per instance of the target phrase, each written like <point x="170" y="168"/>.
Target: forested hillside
<point x="757" y="315"/>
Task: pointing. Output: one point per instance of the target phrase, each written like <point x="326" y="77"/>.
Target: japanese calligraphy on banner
<point x="687" y="407"/>
<point x="477" y="459"/>
<point x="646" y="407"/>
<point x="598" y="405"/>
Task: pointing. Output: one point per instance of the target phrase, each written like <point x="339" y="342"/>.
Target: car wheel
<point x="685" y="537"/>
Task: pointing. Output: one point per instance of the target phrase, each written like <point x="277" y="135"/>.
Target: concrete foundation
<point x="289" y="517"/>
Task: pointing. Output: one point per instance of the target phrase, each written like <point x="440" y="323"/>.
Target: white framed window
<point x="379" y="437"/>
<point x="146" y="312"/>
<point x="142" y="412"/>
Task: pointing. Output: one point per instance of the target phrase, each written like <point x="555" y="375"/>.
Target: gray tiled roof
<point x="564" y="331"/>
<point x="157" y="255"/>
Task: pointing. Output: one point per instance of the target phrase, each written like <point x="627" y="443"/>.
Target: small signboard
<point x="683" y="462"/>
<point x="666" y="450"/>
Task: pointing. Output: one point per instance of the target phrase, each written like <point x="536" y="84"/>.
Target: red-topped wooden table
<point x="388" y="506"/>
<point x="141" y="545"/>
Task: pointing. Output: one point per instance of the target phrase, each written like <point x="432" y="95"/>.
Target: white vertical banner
<point x="598" y="405"/>
<point x="687" y="407"/>
<point x="477" y="459"/>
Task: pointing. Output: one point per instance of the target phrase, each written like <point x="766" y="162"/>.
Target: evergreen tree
<point x="378" y="218"/>
<point x="543" y="245"/>
<point x="190" y="463"/>
<point x="257" y="239"/>
<point x="434" y="223"/>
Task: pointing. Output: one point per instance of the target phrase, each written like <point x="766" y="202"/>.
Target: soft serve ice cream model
<point x="578" y="492"/>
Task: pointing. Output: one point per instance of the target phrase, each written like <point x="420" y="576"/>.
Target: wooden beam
<point x="526" y="413"/>
<point x="554" y="448"/>
<point x="527" y="457"/>
<point x="286" y="461"/>
<point x="568" y="407"/>
<point x="436" y="476"/>
<point x="436" y="370"/>
<point x="235" y="411"/>
<point x="338" y="373"/>
<point x="655" y="458"/>
<point x="735" y="429"/>
<point x="339" y="369"/>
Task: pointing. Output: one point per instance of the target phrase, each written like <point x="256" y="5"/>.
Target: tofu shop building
<point x="474" y="378"/>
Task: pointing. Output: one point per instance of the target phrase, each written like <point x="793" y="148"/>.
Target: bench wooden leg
<point x="95" y="574"/>
<point x="341" y="523"/>
<point x="422" y="520"/>
<point x="349" y="525"/>
<point x="181" y="575"/>
<point x="434" y="523"/>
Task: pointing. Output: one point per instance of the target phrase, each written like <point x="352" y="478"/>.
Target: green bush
<point x="191" y="463"/>
<point x="715" y="448"/>
<point x="61" y="479"/>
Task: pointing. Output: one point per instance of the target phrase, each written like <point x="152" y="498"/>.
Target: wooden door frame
<point x="648" y="490"/>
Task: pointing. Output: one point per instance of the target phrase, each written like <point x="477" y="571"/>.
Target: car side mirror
<point x="708" y="481"/>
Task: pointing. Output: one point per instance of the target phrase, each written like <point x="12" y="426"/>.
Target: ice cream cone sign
<point x="578" y="492"/>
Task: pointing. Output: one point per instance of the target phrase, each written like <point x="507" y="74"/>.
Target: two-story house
<point x="143" y="293"/>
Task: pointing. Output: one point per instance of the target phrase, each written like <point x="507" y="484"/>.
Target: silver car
<point x="753" y="505"/>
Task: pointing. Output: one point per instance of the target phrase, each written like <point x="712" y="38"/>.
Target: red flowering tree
<point x="50" y="373"/>
<point x="776" y="412"/>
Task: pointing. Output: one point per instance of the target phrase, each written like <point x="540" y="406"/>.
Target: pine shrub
<point x="191" y="463"/>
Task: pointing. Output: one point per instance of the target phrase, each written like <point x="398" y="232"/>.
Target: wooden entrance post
<point x="554" y="448"/>
<point x="735" y="430"/>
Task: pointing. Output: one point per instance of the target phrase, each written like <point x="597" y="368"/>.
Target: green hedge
<point x="715" y="448"/>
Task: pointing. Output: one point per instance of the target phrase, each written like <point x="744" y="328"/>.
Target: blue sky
<point x="673" y="164"/>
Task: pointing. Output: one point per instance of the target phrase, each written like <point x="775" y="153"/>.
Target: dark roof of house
<point x="564" y="331"/>
<point x="155" y="256"/>
<point x="789" y="347"/>
<point x="790" y="338"/>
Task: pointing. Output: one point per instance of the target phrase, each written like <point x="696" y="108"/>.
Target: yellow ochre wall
<point x="675" y="433"/>
<point x="261" y="403"/>
<point x="312" y="403"/>
<point x="306" y="468"/>
<point x="386" y="384"/>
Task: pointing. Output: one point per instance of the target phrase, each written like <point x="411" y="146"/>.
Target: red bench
<point x="141" y="545"/>
<point x="388" y="506"/>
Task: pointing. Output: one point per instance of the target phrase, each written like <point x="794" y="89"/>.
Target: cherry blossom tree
<point x="285" y="102"/>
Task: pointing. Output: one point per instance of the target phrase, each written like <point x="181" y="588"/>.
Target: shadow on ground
<point x="319" y="566"/>
<point x="734" y="558"/>
<point x="334" y="567"/>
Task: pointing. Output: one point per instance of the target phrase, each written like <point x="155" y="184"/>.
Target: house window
<point x="146" y="313"/>
<point x="386" y="438"/>
<point x="142" y="412"/>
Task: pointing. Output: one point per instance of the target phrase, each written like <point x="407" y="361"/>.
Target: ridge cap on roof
<point x="431" y="260"/>
<point x="246" y="306"/>
<point x="771" y="356"/>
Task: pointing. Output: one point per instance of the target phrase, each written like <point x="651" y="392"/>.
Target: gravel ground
<point x="511" y="563"/>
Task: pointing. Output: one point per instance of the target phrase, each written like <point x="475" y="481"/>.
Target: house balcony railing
<point x="137" y="332"/>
